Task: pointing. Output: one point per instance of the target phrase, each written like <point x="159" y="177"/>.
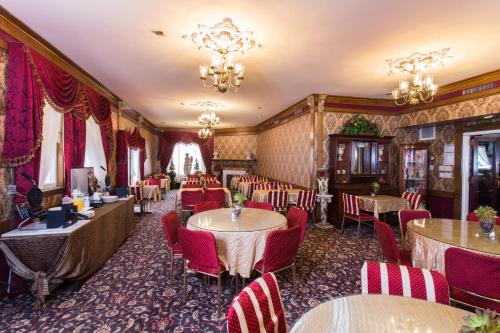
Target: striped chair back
<point x="306" y="200"/>
<point x="264" y="186"/>
<point x="391" y="279"/>
<point x="350" y="204"/>
<point x="279" y="199"/>
<point x="287" y="186"/>
<point x="136" y="191"/>
<point x="210" y="180"/>
<point x="274" y="185"/>
<point x="413" y="198"/>
<point x="251" y="188"/>
<point x="193" y="181"/>
<point x="258" y="308"/>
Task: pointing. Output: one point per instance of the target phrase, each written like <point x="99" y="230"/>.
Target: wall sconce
<point x="340" y="151"/>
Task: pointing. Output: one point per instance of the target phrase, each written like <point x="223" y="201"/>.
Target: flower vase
<point x="487" y="227"/>
<point x="236" y="212"/>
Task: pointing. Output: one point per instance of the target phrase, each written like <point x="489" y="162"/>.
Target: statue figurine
<point x="188" y="162"/>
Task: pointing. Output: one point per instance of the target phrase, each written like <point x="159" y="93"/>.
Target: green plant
<point x="171" y="173"/>
<point x="359" y="125"/>
<point x="482" y="322"/>
<point x="486" y="214"/>
<point x="375" y="186"/>
<point x="239" y="198"/>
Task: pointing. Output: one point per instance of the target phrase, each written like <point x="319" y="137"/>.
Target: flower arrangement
<point x="239" y="198"/>
<point x="375" y="188"/>
<point x="486" y="216"/>
<point x="481" y="322"/>
<point x="359" y="125"/>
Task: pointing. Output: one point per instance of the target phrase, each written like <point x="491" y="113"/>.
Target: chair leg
<point x="171" y="266"/>
<point x="301" y="259"/>
<point x="185" y="282"/>
<point x="218" y="294"/>
<point x="342" y="226"/>
<point x="294" y="280"/>
<point x="359" y="225"/>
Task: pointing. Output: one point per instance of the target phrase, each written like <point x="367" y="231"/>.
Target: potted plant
<point x="486" y="216"/>
<point x="172" y="173"/>
<point x="238" y="202"/>
<point x="375" y="188"/>
<point x="481" y="322"/>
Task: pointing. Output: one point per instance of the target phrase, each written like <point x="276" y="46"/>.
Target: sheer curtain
<point x="94" y="150"/>
<point x="148" y="170"/>
<point x="134" y="171"/>
<point x="51" y="137"/>
<point x="179" y="155"/>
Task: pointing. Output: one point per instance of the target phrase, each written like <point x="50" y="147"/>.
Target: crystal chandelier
<point x="207" y="121"/>
<point x="223" y="40"/>
<point x="418" y="88"/>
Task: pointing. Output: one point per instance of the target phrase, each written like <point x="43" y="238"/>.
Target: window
<point x="51" y="150"/>
<point x="94" y="151"/>
<point x="179" y="156"/>
<point x="134" y="171"/>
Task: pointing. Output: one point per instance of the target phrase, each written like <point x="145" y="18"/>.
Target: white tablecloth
<point x="240" y="244"/>
<point x="151" y="192"/>
<point x="243" y="187"/>
<point x="165" y="183"/>
<point x="228" y="201"/>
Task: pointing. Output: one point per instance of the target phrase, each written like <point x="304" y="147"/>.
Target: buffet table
<point x="47" y="257"/>
<point x="430" y="238"/>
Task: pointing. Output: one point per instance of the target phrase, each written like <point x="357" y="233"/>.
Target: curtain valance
<point x="168" y="140"/>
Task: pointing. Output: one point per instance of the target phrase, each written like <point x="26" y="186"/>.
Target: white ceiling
<point x="318" y="46"/>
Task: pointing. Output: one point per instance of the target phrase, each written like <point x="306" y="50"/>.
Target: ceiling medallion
<point x="208" y="105"/>
<point x="419" y="88"/>
<point x="207" y="121"/>
<point x="223" y="40"/>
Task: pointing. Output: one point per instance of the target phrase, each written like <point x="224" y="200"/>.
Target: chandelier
<point x="207" y="121"/>
<point x="418" y="88"/>
<point x="223" y="40"/>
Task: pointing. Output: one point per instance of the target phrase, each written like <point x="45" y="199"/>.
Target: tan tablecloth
<point x="235" y="181"/>
<point x="165" y="183"/>
<point x="243" y="187"/>
<point x="48" y="259"/>
<point x="382" y="204"/>
<point x="151" y="192"/>
<point x="380" y="314"/>
<point x="228" y="201"/>
<point x="430" y="238"/>
<point x="240" y="244"/>
<point x="261" y="195"/>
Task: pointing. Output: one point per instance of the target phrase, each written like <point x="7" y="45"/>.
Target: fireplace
<point x="228" y="174"/>
<point x="227" y="169"/>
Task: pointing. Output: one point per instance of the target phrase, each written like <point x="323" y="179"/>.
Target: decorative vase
<point x="236" y="212"/>
<point x="487" y="227"/>
<point x="374" y="192"/>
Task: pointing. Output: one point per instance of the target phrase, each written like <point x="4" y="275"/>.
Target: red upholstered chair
<point x="199" y="251"/>
<point x="153" y="181"/>
<point x="266" y="313"/>
<point x="474" y="278"/>
<point x="189" y="199"/>
<point x="191" y="185"/>
<point x="216" y="195"/>
<point x="298" y="217"/>
<point x="136" y="191"/>
<point x="214" y="185"/>
<point x="206" y="205"/>
<point x="389" y="246"/>
<point x="259" y="205"/>
<point x="251" y="188"/>
<point x="391" y="279"/>
<point x="351" y="211"/>
<point x="281" y="249"/>
<point x="306" y="200"/>
<point x="413" y="198"/>
<point x="171" y="224"/>
<point x="407" y="215"/>
<point x="279" y="200"/>
<point x="287" y="186"/>
<point x="471" y="217"/>
<point x="210" y="180"/>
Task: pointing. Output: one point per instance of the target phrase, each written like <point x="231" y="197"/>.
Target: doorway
<point x="481" y="166"/>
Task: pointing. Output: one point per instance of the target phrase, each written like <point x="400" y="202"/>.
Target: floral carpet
<point x="131" y="292"/>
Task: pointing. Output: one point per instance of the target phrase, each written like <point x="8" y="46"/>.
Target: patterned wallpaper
<point x="5" y="202"/>
<point x="284" y="152"/>
<point x="235" y="147"/>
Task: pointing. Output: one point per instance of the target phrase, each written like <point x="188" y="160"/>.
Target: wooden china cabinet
<point x="356" y="161"/>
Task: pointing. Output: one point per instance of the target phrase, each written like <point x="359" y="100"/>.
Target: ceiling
<point x="335" y="47"/>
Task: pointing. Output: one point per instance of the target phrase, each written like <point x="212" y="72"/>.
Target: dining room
<point x="233" y="166"/>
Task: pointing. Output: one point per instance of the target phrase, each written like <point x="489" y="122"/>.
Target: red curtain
<point x="74" y="145"/>
<point x="125" y="141"/>
<point x="168" y="140"/>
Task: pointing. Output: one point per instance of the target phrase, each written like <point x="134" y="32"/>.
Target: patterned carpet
<point x="131" y="293"/>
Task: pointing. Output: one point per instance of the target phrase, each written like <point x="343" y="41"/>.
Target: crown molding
<point x="236" y="131"/>
<point x="296" y="110"/>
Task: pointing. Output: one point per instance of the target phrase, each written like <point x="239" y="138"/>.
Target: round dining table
<point x="240" y="243"/>
<point x="430" y="238"/>
<point x="380" y="314"/>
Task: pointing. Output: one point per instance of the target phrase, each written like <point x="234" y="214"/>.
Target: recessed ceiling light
<point x="488" y="116"/>
<point x="158" y="33"/>
<point x="260" y="108"/>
